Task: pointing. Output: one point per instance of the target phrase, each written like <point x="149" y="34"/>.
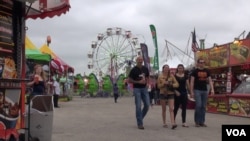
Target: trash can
<point x="40" y="120"/>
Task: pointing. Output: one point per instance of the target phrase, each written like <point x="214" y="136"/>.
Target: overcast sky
<point x="218" y="21"/>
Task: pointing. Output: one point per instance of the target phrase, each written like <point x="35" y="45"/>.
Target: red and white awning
<point x="56" y="65"/>
<point x="46" y="8"/>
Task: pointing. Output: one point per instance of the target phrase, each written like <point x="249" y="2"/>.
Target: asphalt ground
<point x="100" y="119"/>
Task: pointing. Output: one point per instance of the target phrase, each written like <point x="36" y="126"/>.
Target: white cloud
<point x="217" y="21"/>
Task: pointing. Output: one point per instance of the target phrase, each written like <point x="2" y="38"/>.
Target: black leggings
<point x="181" y="100"/>
<point x="116" y="97"/>
<point x="56" y="98"/>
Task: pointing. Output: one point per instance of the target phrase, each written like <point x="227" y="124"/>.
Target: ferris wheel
<point x="113" y="52"/>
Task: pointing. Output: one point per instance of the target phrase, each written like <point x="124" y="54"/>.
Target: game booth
<point x="229" y="65"/>
<point x="13" y="107"/>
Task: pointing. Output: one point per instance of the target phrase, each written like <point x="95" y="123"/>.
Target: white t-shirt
<point x="56" y="88"/>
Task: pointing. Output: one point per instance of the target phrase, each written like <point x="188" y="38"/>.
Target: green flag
<point x="156" y="60"/>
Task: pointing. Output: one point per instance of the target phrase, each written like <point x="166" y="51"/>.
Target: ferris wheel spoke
<point x="125" y="47"/>
<point x="102" y="59"/>
<point x="113" y="43"/>
<point x="103" y="63"/>
<point x="121" y="45"/>
<point x="110" y="47"/>
<point x="118" y="43"/>
<point x="104" y="48"/>
<point x="128" y="53"/>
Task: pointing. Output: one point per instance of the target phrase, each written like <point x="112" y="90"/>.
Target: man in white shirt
<point x="56" y="88"/>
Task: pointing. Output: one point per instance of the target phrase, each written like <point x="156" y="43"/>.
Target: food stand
<point x="13" y="14"/>
<point x="12" y="73"/>
<point x="227" y="64"/>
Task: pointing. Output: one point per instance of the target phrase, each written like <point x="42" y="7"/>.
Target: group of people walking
<point x="173" y="91"/>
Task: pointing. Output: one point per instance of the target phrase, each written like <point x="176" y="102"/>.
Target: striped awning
<point x="46" y="8"/>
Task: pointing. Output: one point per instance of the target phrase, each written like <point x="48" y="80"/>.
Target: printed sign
<point x="6" y="26"/>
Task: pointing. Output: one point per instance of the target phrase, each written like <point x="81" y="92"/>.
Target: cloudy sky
<point x="216" y="21"/>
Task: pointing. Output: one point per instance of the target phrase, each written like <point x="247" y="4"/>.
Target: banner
<point x="146" y="59"/>
<point x="239" y="105"/>
<point x="156" y="59"/>
<point x="240" y="53"/>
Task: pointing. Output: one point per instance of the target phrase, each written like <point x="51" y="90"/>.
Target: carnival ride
<point x="172" y="52"/>
<point x="113" y="52"/>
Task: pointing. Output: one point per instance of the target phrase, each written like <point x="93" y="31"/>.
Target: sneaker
<point x="174" y="126"/>
<point x="197" y="125"/>
<point x="141" y="127"/>
<point x="185" y="125"/>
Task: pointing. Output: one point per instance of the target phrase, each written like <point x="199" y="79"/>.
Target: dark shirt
<point x="200" y="79"/>
<point x="182" y="83"/>
<point x="116" y="90"/>
<point x="136" y="74"/>
<point x="39" y="88"/>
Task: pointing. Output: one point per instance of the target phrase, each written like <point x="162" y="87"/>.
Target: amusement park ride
<point x="113" y="52"/>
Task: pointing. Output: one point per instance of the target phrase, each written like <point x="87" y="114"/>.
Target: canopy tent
<point x="32" y="52"/>
<point x="46" y="8"/>
<point x="47" y="50"/>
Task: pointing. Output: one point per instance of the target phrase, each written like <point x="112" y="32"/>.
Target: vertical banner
<point x="156" y="59"/>
<point x="146" y="59"/>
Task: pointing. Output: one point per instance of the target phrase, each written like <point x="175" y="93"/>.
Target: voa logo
<point x="236" y="132"/>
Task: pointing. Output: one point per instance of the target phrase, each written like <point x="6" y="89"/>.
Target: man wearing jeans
<point x="139" y="76"/>
<point x="199" y="90"/>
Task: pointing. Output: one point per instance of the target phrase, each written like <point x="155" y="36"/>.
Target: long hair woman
<point x="181" y="97"/>
<point x="167" y="83"/>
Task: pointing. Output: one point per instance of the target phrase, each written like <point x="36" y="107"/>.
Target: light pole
<point x="85" y="80"/>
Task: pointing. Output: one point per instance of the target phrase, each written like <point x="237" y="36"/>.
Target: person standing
<point x="151" y="94"/>
<point x="38" y="82"/>
<point x="167" y="83"/>
<point x="57" y="91"/>
<point x="115" y="92"/>
<point x="139" y="76"/>
<point x="181" y="93"/>
<point x="198" y="90"/>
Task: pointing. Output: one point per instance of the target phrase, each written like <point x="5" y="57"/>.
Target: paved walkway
<point x="100" y="119"/>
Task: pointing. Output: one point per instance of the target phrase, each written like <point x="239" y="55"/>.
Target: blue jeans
<point x="141" y="94"/>
<point x="200" y="106"/>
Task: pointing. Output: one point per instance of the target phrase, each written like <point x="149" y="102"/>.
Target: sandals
<point x="203" y="125"/>
<point x="184" y="125"/>
<point x="165" y="126"/>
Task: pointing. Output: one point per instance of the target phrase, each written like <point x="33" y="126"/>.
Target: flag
<point x="156" y="60"/>
<point x="146" y="59"/>
<point x="195" y="46"/>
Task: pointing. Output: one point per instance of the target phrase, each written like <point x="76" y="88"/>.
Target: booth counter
<point x="236" y="104"/>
